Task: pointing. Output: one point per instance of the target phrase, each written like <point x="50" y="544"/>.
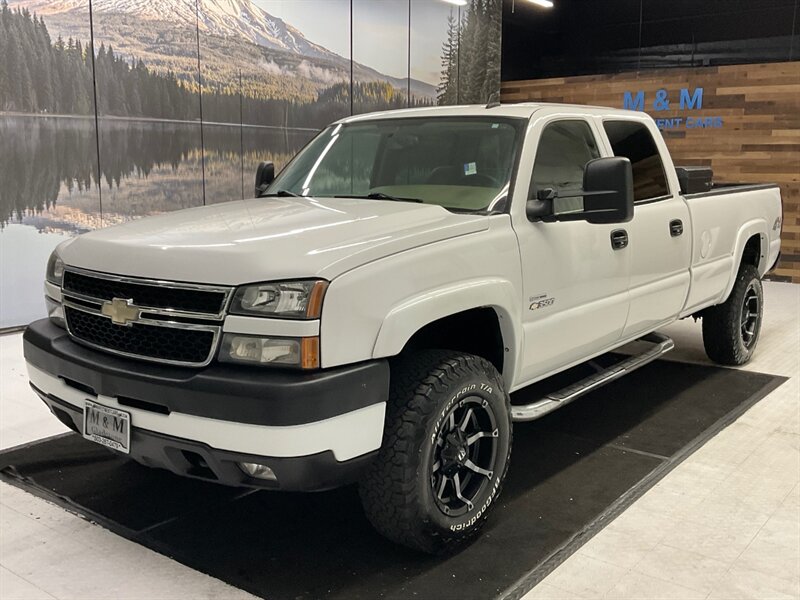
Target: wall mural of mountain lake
<point x="185" y="97"/>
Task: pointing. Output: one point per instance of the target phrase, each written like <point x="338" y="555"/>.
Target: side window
<point x="634" y="141"/>
<point x="564" y="149"/>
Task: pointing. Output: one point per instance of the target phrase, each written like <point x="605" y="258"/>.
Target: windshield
<point x="462" y="164"/>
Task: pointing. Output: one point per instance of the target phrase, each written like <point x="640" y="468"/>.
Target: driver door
<point x="575" y="280"/>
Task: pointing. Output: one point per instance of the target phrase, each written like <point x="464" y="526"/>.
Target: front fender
<point x="412" y="314"/>
<point x="373" y="310"/>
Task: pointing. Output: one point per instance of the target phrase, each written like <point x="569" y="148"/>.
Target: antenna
<point x="492" y="101"/>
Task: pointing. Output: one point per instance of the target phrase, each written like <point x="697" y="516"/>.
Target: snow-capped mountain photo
<point x="235" y="35"/>
<point x="237" y="18"/>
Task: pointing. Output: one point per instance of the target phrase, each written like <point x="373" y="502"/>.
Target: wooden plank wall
<point x="759" y="140"/>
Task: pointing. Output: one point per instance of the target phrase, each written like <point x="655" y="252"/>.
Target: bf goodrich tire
<point x="445" y="451"/>
<point x="731" y="329"/>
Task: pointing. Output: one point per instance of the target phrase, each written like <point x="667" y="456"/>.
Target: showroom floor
<point x="724" y="524"/>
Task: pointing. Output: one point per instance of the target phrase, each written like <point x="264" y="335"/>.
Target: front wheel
<point x="731" y="329"/>
<point x="445" y="451"/>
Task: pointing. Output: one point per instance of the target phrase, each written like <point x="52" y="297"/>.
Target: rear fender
<point x="755" y="227"/>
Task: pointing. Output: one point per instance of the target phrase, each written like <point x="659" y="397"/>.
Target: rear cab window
<point x="634" y="141"/>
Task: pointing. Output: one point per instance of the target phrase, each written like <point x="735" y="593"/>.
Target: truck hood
<point x="265" y="239"/>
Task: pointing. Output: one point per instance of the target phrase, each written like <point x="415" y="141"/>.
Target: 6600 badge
<point x="107" y="426"/>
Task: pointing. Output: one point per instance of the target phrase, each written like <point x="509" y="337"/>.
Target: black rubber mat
<point x="571" y="473"/>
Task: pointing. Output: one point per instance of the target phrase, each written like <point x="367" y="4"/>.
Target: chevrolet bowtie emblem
<point x="121" y="311"/>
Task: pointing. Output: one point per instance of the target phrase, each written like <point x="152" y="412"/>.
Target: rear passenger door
<point x="660" y="233"/>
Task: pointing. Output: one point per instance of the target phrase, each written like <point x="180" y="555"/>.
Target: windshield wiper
<point x="280" y="194"/>
<point x="380" y="196"/>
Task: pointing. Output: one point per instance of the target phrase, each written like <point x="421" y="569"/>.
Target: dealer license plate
<point x="107" y="426"/>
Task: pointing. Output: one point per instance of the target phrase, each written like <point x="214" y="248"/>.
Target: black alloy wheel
<point x="465" y="456"/>
<point x="751" y="315"/>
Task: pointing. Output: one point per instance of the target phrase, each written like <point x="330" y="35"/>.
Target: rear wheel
<point x="445" y="451"/>
<point x="731" y="329"/>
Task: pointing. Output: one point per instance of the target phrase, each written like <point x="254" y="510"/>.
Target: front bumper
<point x="314" y="430"/>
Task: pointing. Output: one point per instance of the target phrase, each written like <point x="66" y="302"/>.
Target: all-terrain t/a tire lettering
<point x="445" y="451"/>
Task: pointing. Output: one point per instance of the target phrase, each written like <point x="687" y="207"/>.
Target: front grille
<point x="148" y="341"/>
<point x="177" y="323"/>
<point x="186" y="299"/>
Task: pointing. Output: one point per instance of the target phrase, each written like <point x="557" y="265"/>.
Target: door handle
<point x="619" y="239"/>
<point x="676" y="227"/>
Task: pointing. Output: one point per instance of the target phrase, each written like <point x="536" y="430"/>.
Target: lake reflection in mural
<point x="49" y="192"/>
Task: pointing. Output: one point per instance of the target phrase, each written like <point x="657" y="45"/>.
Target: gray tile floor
<point x="725" y="524"/>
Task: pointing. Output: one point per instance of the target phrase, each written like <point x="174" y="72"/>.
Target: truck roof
<point x="522" y="110"/>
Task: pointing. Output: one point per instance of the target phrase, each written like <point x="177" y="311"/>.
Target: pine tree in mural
<point x="447" y="92"/>
<point x="471" y="55"/>
<point x="491" y="45"/>
<point x="4" y="50"/>
<point x="33" y="67"/>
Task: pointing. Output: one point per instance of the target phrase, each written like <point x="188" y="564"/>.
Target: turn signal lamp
<point x="282" y="352"/>
<point x="55" y="311"/>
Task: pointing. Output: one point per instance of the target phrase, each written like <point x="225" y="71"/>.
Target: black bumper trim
<point x="259" y="396"/>
<point x="188" y="458"/>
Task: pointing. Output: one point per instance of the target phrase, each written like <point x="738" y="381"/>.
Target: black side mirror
<point x="607" y="195"/>
<point x="543" y="207"/>
<point x="265" y="175"/>
<point x="608" y="190"/>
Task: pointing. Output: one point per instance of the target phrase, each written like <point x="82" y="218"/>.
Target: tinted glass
<point x="461" y="164"/>
<point x="564" y="149"/>
<point x="633" y="140"/>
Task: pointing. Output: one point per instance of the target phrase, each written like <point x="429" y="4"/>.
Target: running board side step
<point x="554" y="400"/>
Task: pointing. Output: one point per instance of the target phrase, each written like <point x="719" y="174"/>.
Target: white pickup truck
<point x="365" y="318"/>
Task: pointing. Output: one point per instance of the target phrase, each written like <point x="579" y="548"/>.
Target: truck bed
<point x="719" y="189"/>
<point x="721" y="227"/>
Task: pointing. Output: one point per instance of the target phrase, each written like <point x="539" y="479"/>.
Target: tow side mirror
<point x="608" y="190"/>
<point x="607" y="195"/>
<point x="265" y="175"/>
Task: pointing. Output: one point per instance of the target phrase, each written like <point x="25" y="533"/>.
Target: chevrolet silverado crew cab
<point x="366" y="317"/>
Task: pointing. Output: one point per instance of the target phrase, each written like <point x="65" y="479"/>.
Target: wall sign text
<point x="687" y="100"/>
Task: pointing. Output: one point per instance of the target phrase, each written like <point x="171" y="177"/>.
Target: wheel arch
<point x="752" y="247"/>
<point x="474" y="317"/>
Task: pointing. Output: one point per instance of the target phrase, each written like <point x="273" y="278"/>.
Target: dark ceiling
<point x="579" y="37"/>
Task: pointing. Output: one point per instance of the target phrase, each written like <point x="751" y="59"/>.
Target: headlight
<point x="54" y="275"/>
<point x="283" y="352"/>
<point x="286" y="299"/>
<point x="55" y="269"/>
